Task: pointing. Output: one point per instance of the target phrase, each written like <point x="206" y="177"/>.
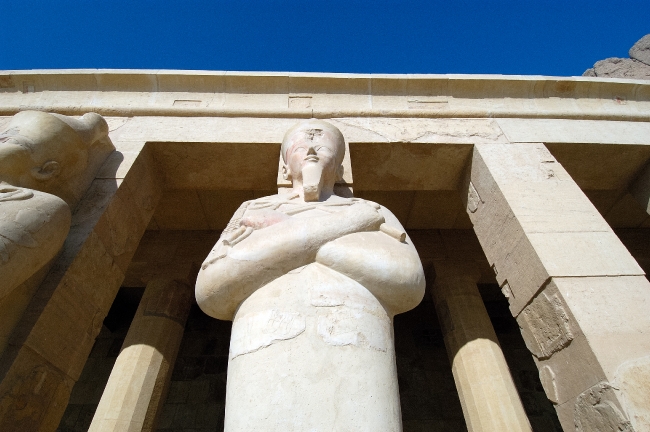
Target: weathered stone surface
<point x="622" y="68"/>
<point x="598" y="410"/>
<point x="641" y="50"/>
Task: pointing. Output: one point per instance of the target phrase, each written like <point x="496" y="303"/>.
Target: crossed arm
<point x="374" y="259"/>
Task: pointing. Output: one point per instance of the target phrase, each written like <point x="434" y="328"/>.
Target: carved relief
<point x="596" y="410"/>
<point x="545" y="325"/>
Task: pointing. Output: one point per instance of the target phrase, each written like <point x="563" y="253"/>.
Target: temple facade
<point x="527" y="199"/>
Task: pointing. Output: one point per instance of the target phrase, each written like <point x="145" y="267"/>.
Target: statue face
<point x="314" y="146"/>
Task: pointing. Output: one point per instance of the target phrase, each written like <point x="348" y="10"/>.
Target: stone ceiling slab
<point x="408" y="166"/>
<point x="601" y="166"/>
<point x="218" y="165"/>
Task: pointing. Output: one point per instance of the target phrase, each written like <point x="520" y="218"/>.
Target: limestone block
<point x="525" y="209"/>
<point x="555" y="338"/>
<point x="597" y="409"/>
<point x="138" y="383"/>
<point x="15" y="303"/>
<point x="603" y="200"/>
<point x="121" y="209"/>
<point x="204" y="129"/>
<point x="633" y="379"/>
<point x="598" y="304"/>
<point x="641" y="50"/>
<point x="433" y="131"/>
<point x="269" y="95"/>
<point x="319" y="83"/>
<point x="574" y="131"/>
<point x="200" y="82"/>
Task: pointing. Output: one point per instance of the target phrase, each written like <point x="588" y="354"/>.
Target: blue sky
<point x="494" y="37"/>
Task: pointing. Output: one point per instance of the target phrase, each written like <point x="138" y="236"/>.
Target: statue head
<point x="312" y="152"/>
<point x="51" y="152"/>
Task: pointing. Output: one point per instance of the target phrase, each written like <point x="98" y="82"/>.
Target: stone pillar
<point x="580" y="298"/>
<point x="47" y="351"/>
<point x="487" y="393"/>
<point x="640" y="189"/>
<point x="140" y="378"/>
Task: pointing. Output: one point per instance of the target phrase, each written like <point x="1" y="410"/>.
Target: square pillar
<point x="579" y="297"/>
<point x="48" y="349"/>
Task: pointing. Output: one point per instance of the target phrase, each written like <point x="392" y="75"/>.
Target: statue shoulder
<point x="257" y="203"/>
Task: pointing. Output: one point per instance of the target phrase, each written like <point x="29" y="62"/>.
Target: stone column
<point x="580" y="298"/>
<point x="487" y="393"/>
<point x="139" y="380"/>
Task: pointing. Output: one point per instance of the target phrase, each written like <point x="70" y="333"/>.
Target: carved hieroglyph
<point x="47" y="162"/>
<point x="312" y="281"/>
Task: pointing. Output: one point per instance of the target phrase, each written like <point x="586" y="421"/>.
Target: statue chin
<point x="33" y="227"/>
<point x="312" y="181"/>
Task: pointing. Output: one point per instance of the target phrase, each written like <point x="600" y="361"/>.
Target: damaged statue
<point x="47" y="161"/>
<point x="311" y="281"/>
